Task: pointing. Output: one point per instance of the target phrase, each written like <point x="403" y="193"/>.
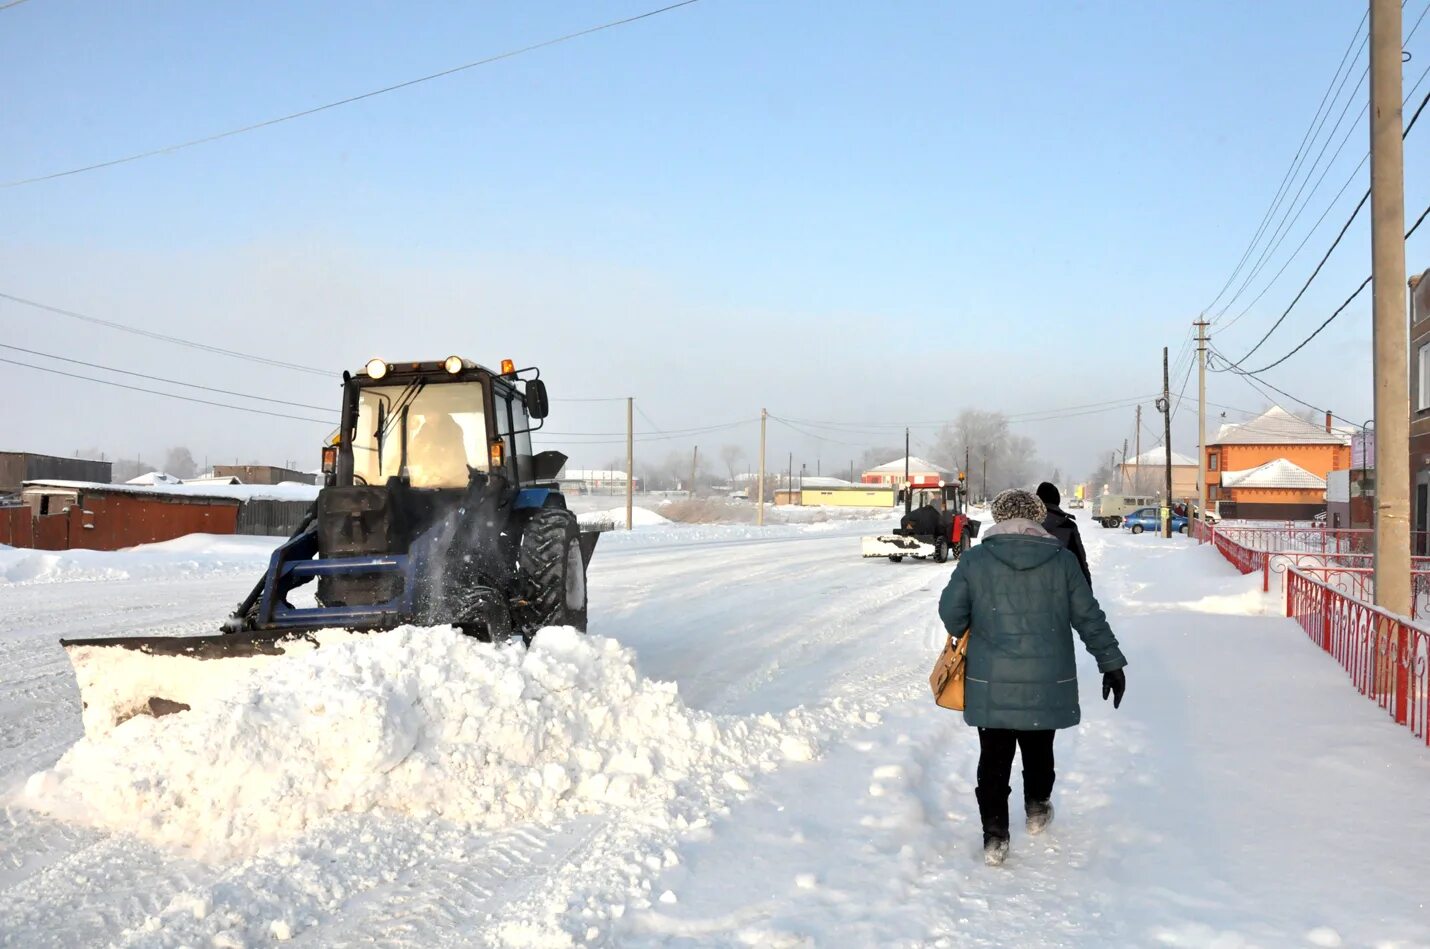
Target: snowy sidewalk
<point x="1244" y="795"/>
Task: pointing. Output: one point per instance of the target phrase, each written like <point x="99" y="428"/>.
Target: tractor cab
<point x="934" y="526"/>
<point x="437" y="425"/>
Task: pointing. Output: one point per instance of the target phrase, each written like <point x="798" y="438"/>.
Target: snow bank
<point x="419" y="722"/>
<point x="193" y="555"/>
<point x="640" y="517"/>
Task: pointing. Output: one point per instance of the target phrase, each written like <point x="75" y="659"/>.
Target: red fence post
<point x="1326" y="617"/>
<point x="1400" y="655"/>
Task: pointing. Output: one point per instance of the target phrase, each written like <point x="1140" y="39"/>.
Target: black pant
<point x="995" y="766"/>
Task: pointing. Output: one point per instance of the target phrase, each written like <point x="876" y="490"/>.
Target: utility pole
<point x="1387" y="250"/>
<point x="1124" y="464"/>
<point x="1201" y="326"/>
<point x="908" y="488"/>
<point x="694" y="465"/>
<point x="1167" y="444"/>
<point x="1137" y="442"/>
<point x="760" y="511"/>
<point x="966" y="472"/>
<point x="630" y="462"/>
<point x="789" y="481"/>
<point x="985" y="476"/>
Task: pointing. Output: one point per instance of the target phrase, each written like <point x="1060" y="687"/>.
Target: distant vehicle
<point x="1149" y="519"/>
<point x="1109" y="509"/>
<point x="1181" y="511"/>
<point x="1075" y="504"/>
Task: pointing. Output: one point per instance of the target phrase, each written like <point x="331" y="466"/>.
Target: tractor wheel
<point x="551" y="559"/>
<point x="940" y="551"/>
<point x="1136" y="528"/>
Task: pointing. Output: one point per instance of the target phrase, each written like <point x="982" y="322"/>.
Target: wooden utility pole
<point x="694" y="466"/>
<point x="1201" y="326"/>
<point x="630" y="462"/>
<point x="1167" y="443"/>
<point x="1387" y="250"/>
<point x="760" y="499"/>
<point x="1124" y="465"/>
<point x="1137" y="458"/>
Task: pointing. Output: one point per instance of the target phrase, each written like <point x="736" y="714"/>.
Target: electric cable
<point x="176" y="340"/>
<point x="173" y="382"/>
<point x="169" y="395"/>
<point x="303" y="113"/>
<point x="1295" y="160"/>
<point x="1335" y="243"/>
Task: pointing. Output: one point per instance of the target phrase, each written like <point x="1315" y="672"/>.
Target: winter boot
<point x="1040" y="815"/>
<point x="995" y="850"/>
<point x="993" y="810"/>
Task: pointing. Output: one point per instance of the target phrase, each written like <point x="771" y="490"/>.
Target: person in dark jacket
<point x="1063" y="526"/>
<point x="1019" y="595"/>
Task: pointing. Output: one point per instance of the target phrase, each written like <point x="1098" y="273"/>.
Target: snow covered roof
<point x="287" y="491"/>
<point x="816" y="481"/>
<point x="592" y="474"/>
<point x="1277" y="426"/>
<point x="1158" y="456"/>
<point x="155" y="477"/>
<point x="1274" y="474"/>
<point x="915" y="464"/>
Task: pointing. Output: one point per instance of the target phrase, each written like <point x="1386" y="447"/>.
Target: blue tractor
<point x="435" y="510"/>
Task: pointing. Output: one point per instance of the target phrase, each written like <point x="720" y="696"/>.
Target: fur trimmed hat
<point x="1018" y="503"/>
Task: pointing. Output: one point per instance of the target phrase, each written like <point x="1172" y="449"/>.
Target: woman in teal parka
<point x="1020" y="594"/>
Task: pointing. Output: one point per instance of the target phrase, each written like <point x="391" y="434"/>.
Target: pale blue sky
<point x="871" y="212"/>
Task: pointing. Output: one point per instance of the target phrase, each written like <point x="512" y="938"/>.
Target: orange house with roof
<point x="1273" y="467"/>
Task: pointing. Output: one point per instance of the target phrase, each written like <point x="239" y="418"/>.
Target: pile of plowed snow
<point x="422" y="722"/>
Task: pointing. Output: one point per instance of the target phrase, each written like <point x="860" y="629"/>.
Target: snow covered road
<point x="1243" y="795"/>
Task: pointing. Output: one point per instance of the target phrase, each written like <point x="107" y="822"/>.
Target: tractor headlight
<point x="453" y="364"/>
<point x="376" y="368"/>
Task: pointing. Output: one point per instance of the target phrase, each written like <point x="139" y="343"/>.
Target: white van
<point x="1109" y="509"/>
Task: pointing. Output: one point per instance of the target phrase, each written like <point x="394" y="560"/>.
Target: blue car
<point x="1147" y="519"/>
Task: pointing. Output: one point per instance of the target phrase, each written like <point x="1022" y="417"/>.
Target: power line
<point x="1350" y="179"/>
<point x="1365" y="283"/>
<point x="11" y="3"/>
<point x="1295" y="161"/>
<point x="169" y="149"/>
<point x="1334" y="244"/>
<point x="169" y="395"/>
<point x="173" y="382"/>
<point x="176" y="340"/>
<point x="1257" y="383"/>
<point x="1287" y="220"/>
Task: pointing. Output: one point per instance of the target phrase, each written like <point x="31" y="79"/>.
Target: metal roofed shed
<point x="84" y="514"/>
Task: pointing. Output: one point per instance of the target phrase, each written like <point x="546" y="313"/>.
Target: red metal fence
<point x="1387" y="656"/>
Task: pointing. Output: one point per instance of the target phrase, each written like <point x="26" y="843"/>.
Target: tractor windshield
<point x="441" y="427"/>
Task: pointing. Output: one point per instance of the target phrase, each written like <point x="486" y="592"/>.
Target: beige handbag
<point x="946" y="680"/>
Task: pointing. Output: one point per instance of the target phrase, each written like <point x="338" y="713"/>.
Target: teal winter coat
<point x="1022" y="595"/>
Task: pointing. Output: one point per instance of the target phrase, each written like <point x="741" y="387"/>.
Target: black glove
<point x="1114" y="683"/>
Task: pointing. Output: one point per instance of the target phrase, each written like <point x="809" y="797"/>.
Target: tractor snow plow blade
<point x="157" y="675"/>
<point x="893" y="545"/>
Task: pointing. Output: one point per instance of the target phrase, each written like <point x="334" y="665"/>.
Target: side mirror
<point x="538" y="406"/>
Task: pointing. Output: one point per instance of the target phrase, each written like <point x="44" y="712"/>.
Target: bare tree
<point x="180" y="463"/>
<point x="127" y="469"/>
<point x="732" y="455"/>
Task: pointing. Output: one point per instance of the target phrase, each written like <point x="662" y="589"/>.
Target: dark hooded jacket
<point x="1022" y="596"/>
<point x="1063" y="526"/>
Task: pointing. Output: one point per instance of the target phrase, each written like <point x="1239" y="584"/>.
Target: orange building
<point x="1273" y="467"/>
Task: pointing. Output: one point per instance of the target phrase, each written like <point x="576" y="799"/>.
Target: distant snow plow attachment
<point x="938" y="529"/>
<point x="435" y="511"/>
